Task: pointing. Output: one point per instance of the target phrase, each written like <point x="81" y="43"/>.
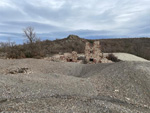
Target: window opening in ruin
<point x="70" y="60"/>
<point x="91" y="59"/>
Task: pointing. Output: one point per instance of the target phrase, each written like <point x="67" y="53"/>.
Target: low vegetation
<point x="113" y="58"/>
<point x="34" y="48"/>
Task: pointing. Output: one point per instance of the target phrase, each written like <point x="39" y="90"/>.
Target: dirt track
<point x="70" y="87"/>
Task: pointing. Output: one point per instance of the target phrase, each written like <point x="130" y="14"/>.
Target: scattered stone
<point x="18" y="70"/>
<point x="116" y="90"/>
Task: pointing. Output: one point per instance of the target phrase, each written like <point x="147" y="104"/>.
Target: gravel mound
<point x="70" y="87"/>
<point x="129" y="57"/>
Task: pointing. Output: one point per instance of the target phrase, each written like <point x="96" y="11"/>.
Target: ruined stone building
<point x="72" y="57"/>
<point x="69" y="57"/>
<point x="93" y="53"/>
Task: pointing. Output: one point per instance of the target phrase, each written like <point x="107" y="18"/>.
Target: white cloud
<point x="120" y="16"/>
<point x="54" y="4"/>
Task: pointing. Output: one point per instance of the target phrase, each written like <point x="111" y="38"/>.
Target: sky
<point x="92" y="19"/>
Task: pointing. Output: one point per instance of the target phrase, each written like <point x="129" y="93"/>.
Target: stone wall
<point x="93" y="53"/>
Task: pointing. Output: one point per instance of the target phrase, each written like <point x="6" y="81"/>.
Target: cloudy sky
<point x="87" y="18"/>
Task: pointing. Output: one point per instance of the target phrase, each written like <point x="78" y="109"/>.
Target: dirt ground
<point x="41" y="86"/>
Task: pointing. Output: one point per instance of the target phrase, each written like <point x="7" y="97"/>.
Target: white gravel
<point x="57" y="87"/>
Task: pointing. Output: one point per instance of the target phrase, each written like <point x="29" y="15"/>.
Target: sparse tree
<point x="34" y="47"/>
<point x="30" y="34"/>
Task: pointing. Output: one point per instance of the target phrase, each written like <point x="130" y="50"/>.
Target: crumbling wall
<point x="87" y="51"/>
<point x="93" y="54"/>
<point x="74" y="56"/>
<point x="67" y="57"/>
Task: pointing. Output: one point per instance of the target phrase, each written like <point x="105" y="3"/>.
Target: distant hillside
<point x="69" y="44"/>
<point x="136" y="46"/>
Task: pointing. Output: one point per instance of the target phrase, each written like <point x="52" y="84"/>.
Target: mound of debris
<point x="55" y="87"/>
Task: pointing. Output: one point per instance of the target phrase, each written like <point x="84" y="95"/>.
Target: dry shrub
<point x="113" y="58"/>
<point x="25" y="51"/>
